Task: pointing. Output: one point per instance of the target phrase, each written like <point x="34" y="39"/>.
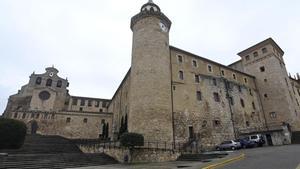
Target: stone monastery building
<point x="171" y="95"/>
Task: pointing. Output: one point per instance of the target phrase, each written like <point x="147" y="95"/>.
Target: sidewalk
<point x="169" y="165"/>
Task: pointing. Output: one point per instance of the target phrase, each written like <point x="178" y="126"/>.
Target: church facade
<point x="171" y="95"/>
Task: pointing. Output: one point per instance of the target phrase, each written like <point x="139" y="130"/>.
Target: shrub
<point x="132" y="139"/>
<point x="12" y="133"/>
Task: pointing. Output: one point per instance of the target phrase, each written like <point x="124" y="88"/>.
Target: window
<point x="85" y="120"/>
<point x="240" y="88"/>
<point x="242" y="103"/>
<point x="82" y="102"/>
<point x="262" y="69"/>
<point x="247" y="57"/>
<point x="49" y="82"/>
<point x="214" y="82"/>
<point x="204" y="123"/>
<point x="194" y="63"/>
<point x="174" y="87"/>
<point x="255" y="54"/>
<point x="253" y="105"/>
<point x="273" y="115"/>
<point x="250" y="92"/>
<point x="80" y="109"/>
<point x="38" y="80"/>
<point x="74" y="101"/>
<point x="24" y="115"/>
<point x="216" y="97"/>
<point x="89" y="103"/>
<point x="181" y="75"/>
<point x="59" y="83"/>
<point x="37" y="115"/>
<point x="234" y="76"/>
<point x="197" y="78"/>
<point x="266" y="95"/>
<point x="246" y="80"/>
<point x="247" y="123"/>
<point x="222" y="72"/>
<point x="68" y="120"/>
<point x="217" y="123"/>
<point x="32" y="115"/>
<point x="199" y="95"/>
<point x="179" y="58"/>
<point x="264" y="50"/>
<point x="265" y="80"/>
<point x="103" y="104"/>
<point x="209" y="68"/>
<point x="97" y="103"/>
<point x="100" y="110"/>
<point x="15" y="115"/>
<point x="231" y="101"/>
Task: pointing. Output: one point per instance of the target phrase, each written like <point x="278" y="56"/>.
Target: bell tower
<point x="150" y="111"/>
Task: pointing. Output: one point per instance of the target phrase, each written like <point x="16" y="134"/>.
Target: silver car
<point x="233" y="145"/>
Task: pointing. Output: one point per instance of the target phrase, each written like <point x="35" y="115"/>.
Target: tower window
<point x="231" y="101"/>
<point x="214" y="82"/>
<point x="209" y="67"/>
<point x="242" y="103"/>
<point x="103" y="104"/>
<point x="217" y="123"/>
<point x="262" y="69"/>
<point x="246" y="80"/>
<point x="247" y="123"/>
<point x="59" y="83"/>
<point x="197" y="78"/>
<point x="266" y="95"/>
<point x="253" y="105"/>
<point x="255" y="54"/>
<point x="216" y="97"/>
<point x="194" y="63"/>
<point x="49" y="82"/>
<point x="38" y="80"/>
<point x="181" y="75"/>
<point x="240" y="88"/>
<point x="234" y="76"/>
<point x="80" y="109"/>
<point x="222" y="72"/>
<point x="264" y="50"/>
<point x="15" y="115"/>
<point x="199" y="96"/>
<point x="24" y="115"/>
<point x="179" y="58"/>
<point x="100" y="110"/>
<point x="250" y="92"/>
<point x="247" y="57"/>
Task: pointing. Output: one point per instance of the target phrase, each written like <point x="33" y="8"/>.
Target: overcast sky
<point x="89" y="41"/>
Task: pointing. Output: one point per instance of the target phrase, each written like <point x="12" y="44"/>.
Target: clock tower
<point x="150" y="111"/>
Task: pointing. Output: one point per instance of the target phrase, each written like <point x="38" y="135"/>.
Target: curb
<point x="212" y="166"/>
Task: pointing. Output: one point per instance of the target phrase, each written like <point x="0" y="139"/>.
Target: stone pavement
<point x="166" y="165"/>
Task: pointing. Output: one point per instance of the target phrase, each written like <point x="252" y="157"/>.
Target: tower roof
<point x="150" y="9"/>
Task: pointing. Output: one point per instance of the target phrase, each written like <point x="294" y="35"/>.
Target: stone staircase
<point x="50" y="152"/>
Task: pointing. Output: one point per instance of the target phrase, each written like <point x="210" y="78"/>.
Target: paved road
<point x="277" y="157"/>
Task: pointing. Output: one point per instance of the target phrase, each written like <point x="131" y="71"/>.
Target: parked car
<point x="246" y="142"/>
<point x="233" y="145"/>
<point x="258" y="139"/>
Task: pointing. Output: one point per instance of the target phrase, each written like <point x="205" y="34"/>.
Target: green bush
<point x="12" y="133"/>
<point x="132" y="139"/>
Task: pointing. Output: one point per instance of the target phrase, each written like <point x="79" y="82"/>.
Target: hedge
<point x="12" y="133"/>
<point x="132" y="139"/>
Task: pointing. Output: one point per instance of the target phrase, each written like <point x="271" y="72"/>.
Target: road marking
<point x="298" y="167"/>
<point x="222" y="163"/>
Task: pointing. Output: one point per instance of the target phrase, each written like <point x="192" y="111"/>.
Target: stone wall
<point x="138" y="155"/>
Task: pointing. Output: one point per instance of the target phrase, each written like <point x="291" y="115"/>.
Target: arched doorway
<point x="34" y="126"/>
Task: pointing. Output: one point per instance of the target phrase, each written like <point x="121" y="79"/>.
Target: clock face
<point x="51" y="74"/>
<point x="163" y="27"/>
<point x="44" y="95"/>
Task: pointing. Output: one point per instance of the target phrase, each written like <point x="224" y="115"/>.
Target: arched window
<point x="59" y="83"/>
<point x="180" y="75"/>
<point x="38" y="80"/>
<point x="49" y="82"/>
